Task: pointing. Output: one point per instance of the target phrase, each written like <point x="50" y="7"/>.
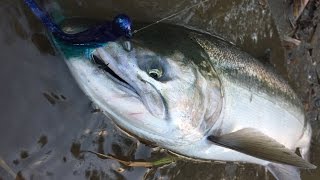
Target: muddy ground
<point x="302" y="55"/>
<point x="46" y="119"/>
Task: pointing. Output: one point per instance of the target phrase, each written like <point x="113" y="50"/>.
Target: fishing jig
<point x="100" y="34"/>
<point x="94" y="36"/>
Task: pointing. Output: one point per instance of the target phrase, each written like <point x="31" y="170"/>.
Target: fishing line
<point x="170" y="16"/>
<point x="97" y="35"/>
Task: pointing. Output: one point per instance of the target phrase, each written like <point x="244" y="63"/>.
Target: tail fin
<point x="284" y="172"/>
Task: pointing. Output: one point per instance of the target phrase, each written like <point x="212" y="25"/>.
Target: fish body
<point x="196" y="95"/>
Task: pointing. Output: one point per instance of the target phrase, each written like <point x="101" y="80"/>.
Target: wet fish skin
<point x="209" y="88"/>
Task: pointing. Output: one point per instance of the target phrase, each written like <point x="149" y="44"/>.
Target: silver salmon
<point x="197" y="96"/>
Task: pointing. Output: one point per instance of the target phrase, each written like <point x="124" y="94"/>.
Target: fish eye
<point x="155" y="67"/>
<point x="155" y="73"/>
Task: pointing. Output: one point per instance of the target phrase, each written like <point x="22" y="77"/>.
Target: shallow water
<point x="46" y="119"/>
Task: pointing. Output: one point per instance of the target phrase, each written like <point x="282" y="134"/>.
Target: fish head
<point x="159" y="86"/>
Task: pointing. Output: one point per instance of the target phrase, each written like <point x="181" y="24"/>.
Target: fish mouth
<point x="125" y="76"/>
<point x="103" y="65"/>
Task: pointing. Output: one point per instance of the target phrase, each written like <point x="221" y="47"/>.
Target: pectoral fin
<point x="254" y="143"/>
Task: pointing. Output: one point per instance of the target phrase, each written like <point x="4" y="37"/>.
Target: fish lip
<point x="115" y="77"/>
